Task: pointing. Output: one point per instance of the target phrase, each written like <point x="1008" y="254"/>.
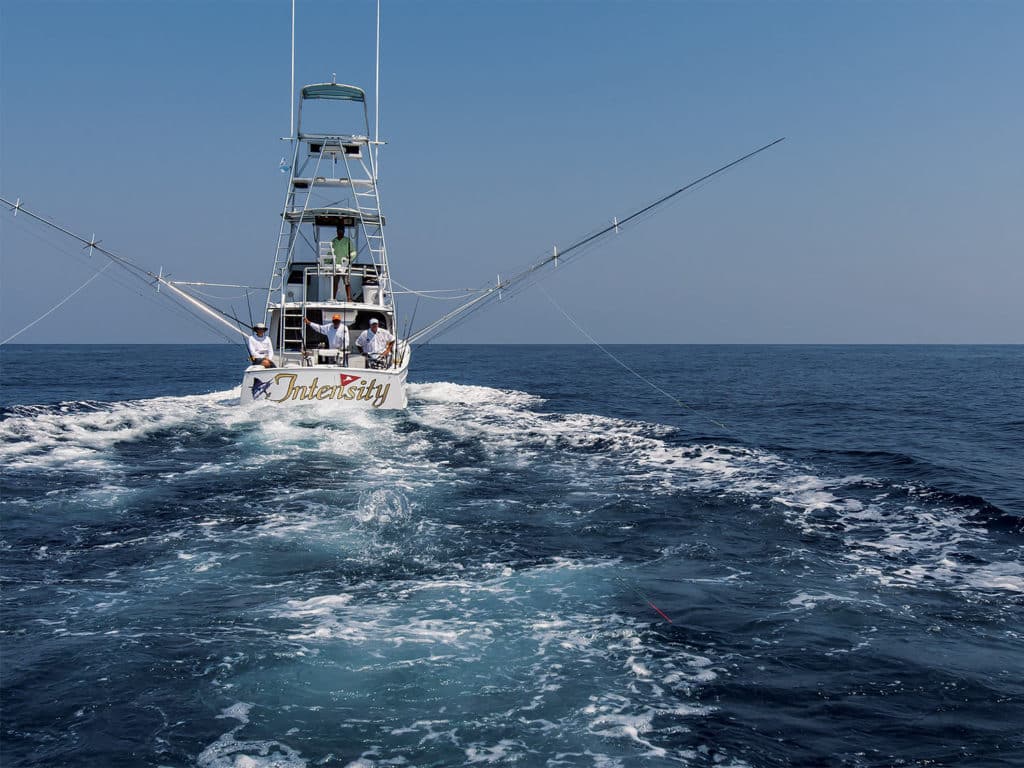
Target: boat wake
<point x="410" y="583"/>
<point x="899" y="533"/>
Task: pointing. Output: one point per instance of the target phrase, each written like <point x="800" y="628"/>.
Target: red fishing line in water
<point x="644" y="597"/>
<point x="660" y="612"/>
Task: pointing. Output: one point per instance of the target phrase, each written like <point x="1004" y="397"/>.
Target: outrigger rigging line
<point x="520" y="279"/>
<point x="150" y="278"/>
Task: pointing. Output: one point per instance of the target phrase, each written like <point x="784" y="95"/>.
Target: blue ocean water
<point x="813" y="558"/>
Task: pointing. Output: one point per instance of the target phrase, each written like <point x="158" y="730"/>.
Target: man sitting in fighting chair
<point x="261" y="349"/>
<point x="375" y="343"/>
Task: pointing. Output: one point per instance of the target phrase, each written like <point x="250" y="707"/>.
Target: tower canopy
<point x="333" y="91"/>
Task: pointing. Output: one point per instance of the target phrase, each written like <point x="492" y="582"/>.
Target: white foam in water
<point x="82" y="437"/>
<point x="501" y="752"/>
<point x="325" y="605"/>
<point x="612" y="716"/>
<point x="808" y="602"/>
<point x="507" y="633"/>
<point x="997" y="576"/>
<point x="506" y="424"/>
<point x="384" y="507"/>
<point x="505" y="630"/>
<point x="229" y="752"/>
<point x="55" y="436"/>
<point x="635" y="455"/>
<point x="447" y="393"/>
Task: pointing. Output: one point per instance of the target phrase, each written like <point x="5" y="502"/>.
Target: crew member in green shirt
<point x="344" y="254"/>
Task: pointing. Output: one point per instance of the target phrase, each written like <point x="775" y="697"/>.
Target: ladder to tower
<point x="289" y="230"/>
<point x="285" y="238"/>
<point x="367" y="204"/>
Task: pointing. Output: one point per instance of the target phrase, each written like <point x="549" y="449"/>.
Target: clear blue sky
<point x="893" y="212"/>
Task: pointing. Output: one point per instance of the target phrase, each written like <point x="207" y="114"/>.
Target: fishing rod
<point x="249" y="305"/>
<point x="408" y="325"/>
<point x="494" y="290"/>
<point x="136" y="271"/>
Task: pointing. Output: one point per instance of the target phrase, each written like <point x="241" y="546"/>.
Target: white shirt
<point x="374" y="343"/>
<point x="260" y="348"/>
<point x="337" y="338"/>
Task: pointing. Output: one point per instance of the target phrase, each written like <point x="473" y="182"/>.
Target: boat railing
<point x="298" y="354"/>
<point x="335" y="138"/>
<point x="327" y="272"/>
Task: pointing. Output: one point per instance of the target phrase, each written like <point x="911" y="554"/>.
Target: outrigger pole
<point x="132" y="268"/>
<point x="494" y="290"/>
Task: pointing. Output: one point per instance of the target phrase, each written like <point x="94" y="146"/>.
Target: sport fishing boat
<point x="331" y="279"/>
<point x="331" y="263"/>
<point x="332" y="188"/>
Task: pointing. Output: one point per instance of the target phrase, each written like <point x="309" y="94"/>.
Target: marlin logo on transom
<point x="260" y="389"/>
<point x="376" y="394"/>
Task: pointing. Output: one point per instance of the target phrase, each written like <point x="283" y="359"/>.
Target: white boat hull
<point x="355" y="387"/>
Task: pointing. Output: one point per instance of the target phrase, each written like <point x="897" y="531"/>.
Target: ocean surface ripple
<point x="541" y="562"/>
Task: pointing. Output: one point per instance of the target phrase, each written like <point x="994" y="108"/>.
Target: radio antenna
<point x="291" y="104"/>
<point x="376" y="100"/>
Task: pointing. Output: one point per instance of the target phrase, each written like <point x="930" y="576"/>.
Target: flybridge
<point x="333" y="217"/>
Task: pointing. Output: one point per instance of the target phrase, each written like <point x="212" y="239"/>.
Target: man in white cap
<point x="261" y="350"/>
<point x="336" y="333"/>
<point x="376" y="343"/>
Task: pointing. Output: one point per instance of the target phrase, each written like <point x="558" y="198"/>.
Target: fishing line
<point x="115" y="278"/>
<point x="642" y="596"/>
<point x="144" y="276"/>
<point x="633" y="371"/>
<point x="429" y="294"/>
<point x="197" y="292"/>
<point x="59" y="304"/>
